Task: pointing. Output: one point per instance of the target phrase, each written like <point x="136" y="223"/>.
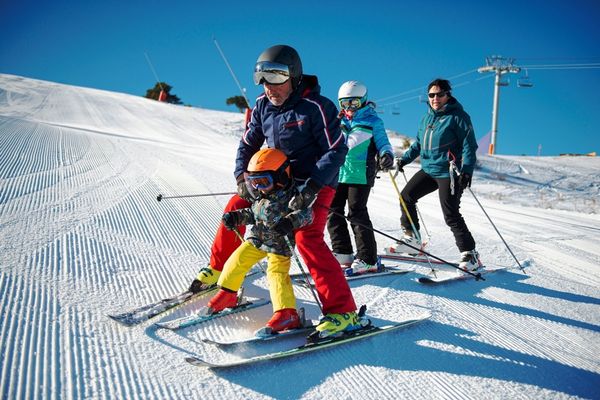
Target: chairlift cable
<point x="154" y="72"/>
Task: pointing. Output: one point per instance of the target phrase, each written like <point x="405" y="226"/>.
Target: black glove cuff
<point x="313" y="185"/>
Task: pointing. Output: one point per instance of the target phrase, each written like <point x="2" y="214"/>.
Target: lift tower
<point x="500" y="66"/>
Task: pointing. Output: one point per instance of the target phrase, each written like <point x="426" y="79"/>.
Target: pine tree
<point x="155" y="92"/>
<point x="238" y="101"/>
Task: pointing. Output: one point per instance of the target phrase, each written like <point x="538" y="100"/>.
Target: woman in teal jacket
<point x="369" y="149"/>
<point x="445" y="135"/>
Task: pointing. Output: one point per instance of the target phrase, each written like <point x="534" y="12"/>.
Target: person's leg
<point x="330" y="283"/>
<point x="280" y="283"/>
<point x="450" y="207"/>
<point x="237" y="266"/>
<point x="284" y="315"/>
<point x="366" y="246"/>
<point x="232" y="277"/>
<point x="226" y="241"/>
<point x="418" y="186"/>
<point x="336" y="223"/>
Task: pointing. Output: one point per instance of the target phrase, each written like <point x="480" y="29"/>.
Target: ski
<point x="299" y="278"/>
<point x="265" y="334"/>
<point x="143" y="313"/>
<point x="324" y="343"/>
<point x="408" y="258"/>
<point x="456" y="276"/>
<point x="202" y="316"/>
<point x="257" y="339"/>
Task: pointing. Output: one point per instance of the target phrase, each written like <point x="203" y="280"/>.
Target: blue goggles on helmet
<point x="263" y="182"/>
<point x="352" y="103"/>
<point x="271" y="73"/>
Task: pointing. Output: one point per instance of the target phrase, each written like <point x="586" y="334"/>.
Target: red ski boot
<point x="222" y="300"/>
<point x="283" y="320"/>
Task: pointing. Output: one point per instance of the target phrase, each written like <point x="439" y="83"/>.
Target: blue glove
<point x="306" y="196"/>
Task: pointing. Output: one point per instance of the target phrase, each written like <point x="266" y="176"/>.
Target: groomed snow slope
<point x="82" y="235"/>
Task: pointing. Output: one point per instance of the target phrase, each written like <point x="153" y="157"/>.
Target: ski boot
<point x="469" y="260"/>
<point x="359" y="267"/>
<point x="207" y="277"/>
<point x="345" y="260"/>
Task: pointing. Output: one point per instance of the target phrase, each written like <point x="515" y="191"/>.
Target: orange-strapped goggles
<point x="271" y="73"/>
<point x="263" y="181"/>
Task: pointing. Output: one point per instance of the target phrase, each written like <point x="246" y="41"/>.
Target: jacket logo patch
<point x="292" y="124"/>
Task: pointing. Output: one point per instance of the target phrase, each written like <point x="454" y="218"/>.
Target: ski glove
<point x="400" y="163"/>
<point x="464" y="180"/>
<point x="284" y="226"/>
<point x="306" y="196"/>
<point x="386" y="161"/>
<point x="242" y="189"/>
<point x="231" y="220"/>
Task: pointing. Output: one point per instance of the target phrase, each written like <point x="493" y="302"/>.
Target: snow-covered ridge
<point x="82" y="235"/>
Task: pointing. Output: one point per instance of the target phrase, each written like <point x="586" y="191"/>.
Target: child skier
<point x="270" y="183"/>
<point x="369" y="149"/>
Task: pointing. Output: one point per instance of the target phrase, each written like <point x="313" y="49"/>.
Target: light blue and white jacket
<point x="365" y="137"/>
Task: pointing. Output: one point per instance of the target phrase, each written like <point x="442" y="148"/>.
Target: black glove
<point x="386" y="161"/>
<point x="231" y="220"/>
<point x="464" y="180"/>
<point x="400" y="165"/>
<point x="284" y="226"/>
<point x="306" y="196"/>
<point x="242" y="189"/>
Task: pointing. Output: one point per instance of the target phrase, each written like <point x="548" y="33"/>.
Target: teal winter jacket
<point x="442" y="132"/>
<point x="365" y="137"/>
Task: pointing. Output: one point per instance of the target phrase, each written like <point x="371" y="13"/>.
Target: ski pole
<point x="403" y="204"/>
<point x="161" y="197"/>
<point x="453" y="265"/>
<point x="489" y="219"/>
<point x="418" y="211"/>
<point x="312" y="291"/>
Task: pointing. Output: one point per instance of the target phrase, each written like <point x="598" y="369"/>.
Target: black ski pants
<point x="356" y="196"/>
<point x="422" y="184"/>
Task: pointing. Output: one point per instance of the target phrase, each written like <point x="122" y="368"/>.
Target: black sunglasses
<point x="437" y="94"/>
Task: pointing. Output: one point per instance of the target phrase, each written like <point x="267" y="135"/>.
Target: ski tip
<point x="211" y="342"/>
<point x="166" y="325"/>
<point x="124" y="321"/>
<point x="198" y="362"/>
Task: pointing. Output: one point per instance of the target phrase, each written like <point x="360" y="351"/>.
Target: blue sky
<point x="394" y="47"/>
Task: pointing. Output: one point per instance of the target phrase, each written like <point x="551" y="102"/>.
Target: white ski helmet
<point x="352" y="89"/>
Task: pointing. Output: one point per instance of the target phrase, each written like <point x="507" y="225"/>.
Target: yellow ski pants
<point x="278" y="274"/>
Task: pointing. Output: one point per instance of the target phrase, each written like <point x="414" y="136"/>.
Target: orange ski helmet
<point x="268" y="169"/>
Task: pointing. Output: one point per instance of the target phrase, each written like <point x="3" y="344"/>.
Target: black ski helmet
<point x="286" y="55"/>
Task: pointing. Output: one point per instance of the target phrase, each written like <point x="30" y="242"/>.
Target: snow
<point x="82" y="236"/>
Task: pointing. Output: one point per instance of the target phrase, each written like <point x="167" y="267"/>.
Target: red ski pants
<point x="331" y="285"/>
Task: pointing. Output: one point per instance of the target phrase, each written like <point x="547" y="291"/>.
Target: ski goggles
<point x="271" y="73"/>
<point x="351" y="103"/>
<point x="262" y="182"/>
